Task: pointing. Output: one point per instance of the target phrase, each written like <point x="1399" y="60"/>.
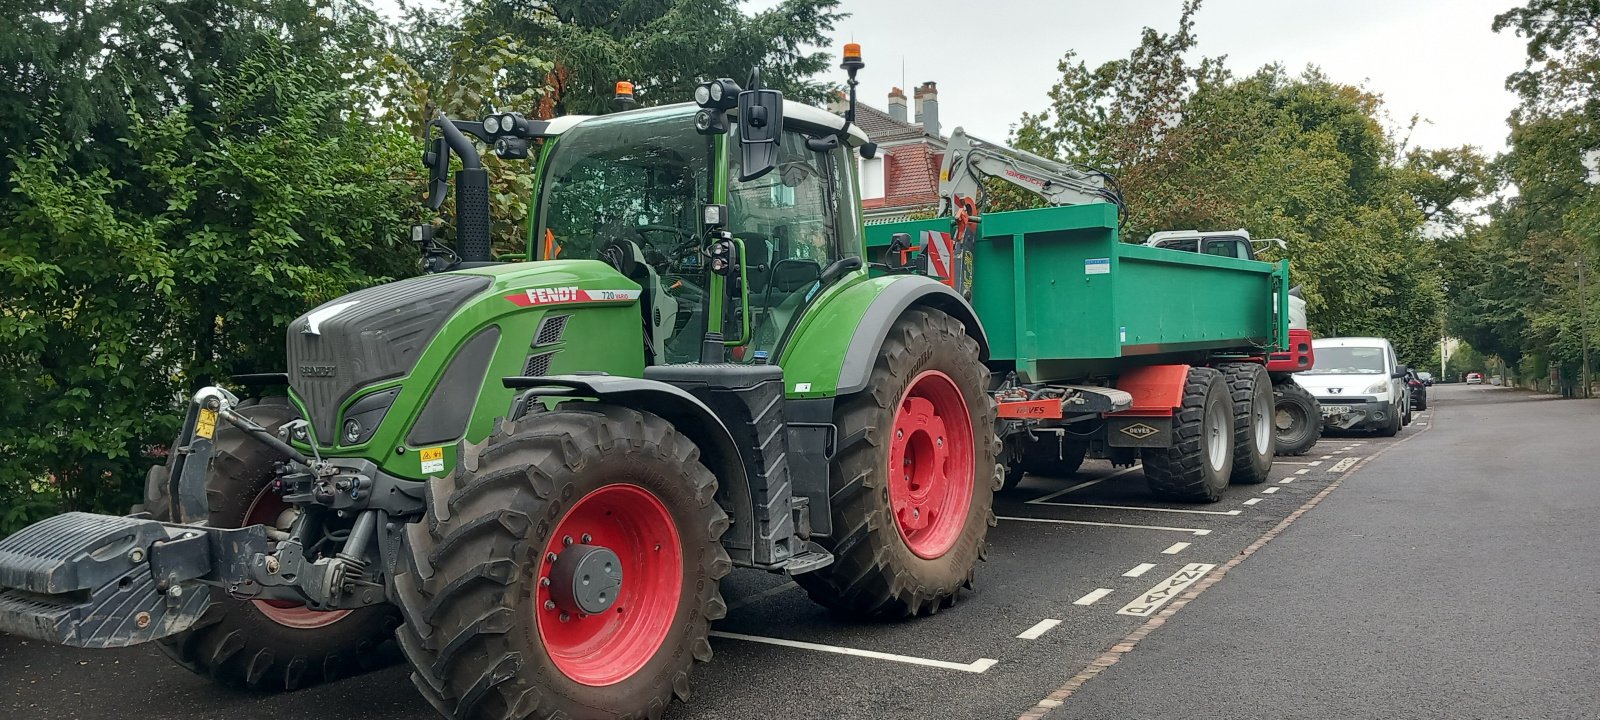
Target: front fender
<point x="687" y="414"/>
<point x="833" y="348"/>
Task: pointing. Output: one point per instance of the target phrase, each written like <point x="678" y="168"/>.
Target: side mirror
<point x="437" y="159"/>
<point x="897" y="257"/>
<point x="1400" y="371"/>
<point x="760" y="124"/>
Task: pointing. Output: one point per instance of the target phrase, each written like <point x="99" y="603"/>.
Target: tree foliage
<point x="1514" y="281"/>
<point x="159" y="239"/>
<point x="1298" y="157"/>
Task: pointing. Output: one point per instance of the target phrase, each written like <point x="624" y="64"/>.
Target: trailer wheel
<point x="568" y="567"/>
<point x="265" y="644"/>
<point x="914" y="478"/>
<point x="1297" y="417"/>
<point x="1195" y="468"/>
<point x="1250" y="388"/>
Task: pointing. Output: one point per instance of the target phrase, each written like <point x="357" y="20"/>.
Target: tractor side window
<point x="788" y="222"/>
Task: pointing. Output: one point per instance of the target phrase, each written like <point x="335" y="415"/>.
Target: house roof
<point x="882" y="128"/>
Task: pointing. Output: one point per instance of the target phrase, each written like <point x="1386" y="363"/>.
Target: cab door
<point x="794" y="222"/>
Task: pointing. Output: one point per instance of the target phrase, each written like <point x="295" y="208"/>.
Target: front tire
<point x="1196" y="466"/>
<point x="262" y="644"/>
<point x="1250" y="388"/>
<point x="914" y="478"/>
<point x="497" y="629"/>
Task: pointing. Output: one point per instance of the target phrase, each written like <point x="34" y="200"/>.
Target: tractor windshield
<point x="631" y="176"/>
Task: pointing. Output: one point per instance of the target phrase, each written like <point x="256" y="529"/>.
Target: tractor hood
<point x="441" y="335"/>
<point x="368" y="336"/>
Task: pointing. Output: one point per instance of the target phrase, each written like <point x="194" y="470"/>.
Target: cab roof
<point x="795" y="114"/>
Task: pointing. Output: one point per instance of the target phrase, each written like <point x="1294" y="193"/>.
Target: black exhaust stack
<point x="472" y="190"/>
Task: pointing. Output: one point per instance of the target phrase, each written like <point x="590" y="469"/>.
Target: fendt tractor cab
<point x="534" y="474"/>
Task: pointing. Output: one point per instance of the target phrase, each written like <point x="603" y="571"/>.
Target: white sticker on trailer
<point x="1097" y="266"/>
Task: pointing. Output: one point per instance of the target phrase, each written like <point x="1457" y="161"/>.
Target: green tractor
<point x="535" y="474"/>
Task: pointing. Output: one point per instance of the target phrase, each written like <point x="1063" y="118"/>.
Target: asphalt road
<point x="1443" y="579"/>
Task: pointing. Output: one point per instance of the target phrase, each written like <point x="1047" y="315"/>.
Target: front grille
<point x="538" y="365"/>
<point x="550" y="330"/>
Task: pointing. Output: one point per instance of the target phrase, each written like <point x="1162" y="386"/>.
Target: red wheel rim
<point x="265" y="510"/>
<point x="930" y="464"/>
<point x="611" y="646"/>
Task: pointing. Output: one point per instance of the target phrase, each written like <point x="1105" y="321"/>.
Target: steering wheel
<point x="686" y="242"/>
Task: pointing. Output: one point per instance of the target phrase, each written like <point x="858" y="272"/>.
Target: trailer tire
<point x="1250" y="388"/>
<point x="1297" y="418"/>
<point x="1196" y="466"/>
<point x="489" y="631"/>
<point x="926" y="380"/>
<point x="256" y="645"/>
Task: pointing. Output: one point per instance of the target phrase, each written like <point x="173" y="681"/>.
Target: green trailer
<point x="534" y="474"/>
<point x="1071" y="312"/>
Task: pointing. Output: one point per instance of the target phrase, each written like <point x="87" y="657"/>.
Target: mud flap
<point x="101" y="581"/>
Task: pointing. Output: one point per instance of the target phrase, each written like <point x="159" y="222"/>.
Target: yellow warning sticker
<point x="432" y="459"/>
<point x="206" y="424"/>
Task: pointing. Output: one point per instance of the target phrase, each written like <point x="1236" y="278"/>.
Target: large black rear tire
<point x="1297" y="417"/>
<point x="1196" y="466"/>
<point x="484" y="632"/>
<point x="927" y="377"/>
<point x="264" y="646"/>
<point x="1250" y="388"/>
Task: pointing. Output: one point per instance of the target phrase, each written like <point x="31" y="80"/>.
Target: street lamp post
<point x="1583" y="324"/>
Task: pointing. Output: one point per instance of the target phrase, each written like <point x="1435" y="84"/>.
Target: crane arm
<point x="968" y="160"/>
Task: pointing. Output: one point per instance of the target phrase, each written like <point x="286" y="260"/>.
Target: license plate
<point x="1335" y="409"/>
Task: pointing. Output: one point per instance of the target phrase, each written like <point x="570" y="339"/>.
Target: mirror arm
<point x="458" y="142"/>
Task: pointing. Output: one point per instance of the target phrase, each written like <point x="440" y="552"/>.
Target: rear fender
<point x="835" y="346"/>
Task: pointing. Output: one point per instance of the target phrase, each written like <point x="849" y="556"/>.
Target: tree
<point x="1303" y="158"/>
<point x="163" y="238"/>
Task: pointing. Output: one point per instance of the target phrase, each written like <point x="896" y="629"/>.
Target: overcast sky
<point x="995" y="59"/>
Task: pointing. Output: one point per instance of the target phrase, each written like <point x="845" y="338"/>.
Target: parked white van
<point x="1360" y="384"/>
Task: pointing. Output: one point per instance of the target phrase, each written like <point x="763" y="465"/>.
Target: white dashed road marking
<point x="1286" y="480"/>
<point x="976" y="666"/>
<point x="1252" y="501"/>
<point x="1314" y="463"/>
<point x="1303" y="471"/>
<point x="1041" y="628"/>
<point x="1092" y="597"/>
<point x="1148" y="603"/>
<point x="1269" y="491"/>
<point x="1192" y="531"/>
<point x="1175" y="549"/>
<point x="1139" y="569"/>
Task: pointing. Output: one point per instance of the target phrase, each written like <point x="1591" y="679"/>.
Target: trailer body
<point x="1062" y="299"/>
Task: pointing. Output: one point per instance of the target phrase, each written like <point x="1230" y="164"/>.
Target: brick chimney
<point x="927" y="98"/>
<point x="897" y="104"/>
